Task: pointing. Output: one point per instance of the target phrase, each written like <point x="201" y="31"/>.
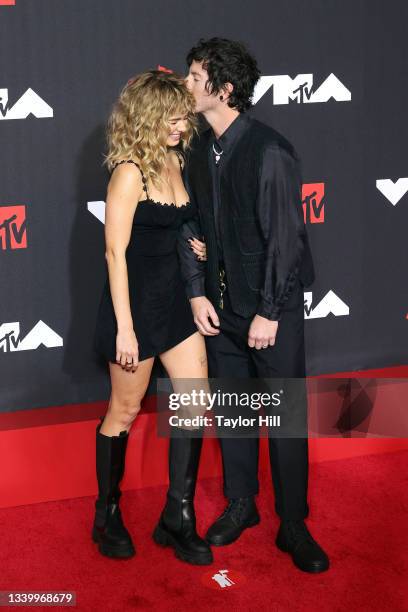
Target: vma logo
<point x="301" y="89"/>
<point x="330" y="304"/>
<point x="13" y="227"/>
<point x="313" y="202"/>
<point x="30" y="103"/>
<point x="97" y="208"/>
<point x="10" y="338"/>
<point x="393" y="191"/>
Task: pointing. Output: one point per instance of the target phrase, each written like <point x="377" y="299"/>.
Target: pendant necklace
<point x="217" y="154"/>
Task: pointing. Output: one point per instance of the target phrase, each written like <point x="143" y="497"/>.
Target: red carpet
<point x="358" y="512"/>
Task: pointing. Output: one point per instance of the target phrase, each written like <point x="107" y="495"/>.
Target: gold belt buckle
<point x="223" y="286"/>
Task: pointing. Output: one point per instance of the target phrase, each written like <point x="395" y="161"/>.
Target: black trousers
<point x="230" y="356"/>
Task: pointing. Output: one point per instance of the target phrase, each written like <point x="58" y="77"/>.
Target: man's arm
<point x="193" y="274"/>
<point x="192" y="269"/>
<point x="280" y="214"/>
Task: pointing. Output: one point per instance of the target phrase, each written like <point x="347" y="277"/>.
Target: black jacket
<point x="265" y="244"/>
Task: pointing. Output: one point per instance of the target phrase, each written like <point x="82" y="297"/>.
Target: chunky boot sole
<point x="163" y="538"/>
<point x="117" y="552"/>
<point x="221" y="541"/>
<point x="311" y="569"/>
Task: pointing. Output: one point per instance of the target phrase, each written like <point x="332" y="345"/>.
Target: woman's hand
<point x="127" y="350"/>
<point x="198" y="247"/>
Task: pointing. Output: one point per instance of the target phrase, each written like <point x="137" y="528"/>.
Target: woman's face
<point x="177" y="125"/>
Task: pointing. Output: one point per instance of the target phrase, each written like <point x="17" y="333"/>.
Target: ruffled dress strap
<point x="130" y="161"/>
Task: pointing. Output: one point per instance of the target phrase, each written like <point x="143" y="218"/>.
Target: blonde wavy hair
<point x="138" y="126"/>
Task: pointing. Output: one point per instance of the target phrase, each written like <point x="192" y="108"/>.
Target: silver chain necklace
<point x="217" y="154"/>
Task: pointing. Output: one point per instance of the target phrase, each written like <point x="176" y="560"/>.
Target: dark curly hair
<point x="227" y="61"/>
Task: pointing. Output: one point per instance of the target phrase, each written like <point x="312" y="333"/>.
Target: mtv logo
<point x="30" y="103"/>
<point x="13" y="227"/>
<point x="313" y="202"/>
<point x="300" y="89"/>
<point x="41" y="333"/>
<point x="393" y="191"/>
<point x="330" y="304"/>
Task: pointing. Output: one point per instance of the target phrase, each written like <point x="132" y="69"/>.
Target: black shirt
<point x="278" y="209"/>
<point x="225" y="143"/>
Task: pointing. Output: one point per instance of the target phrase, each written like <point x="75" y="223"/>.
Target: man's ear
<point x="227" y="90"/>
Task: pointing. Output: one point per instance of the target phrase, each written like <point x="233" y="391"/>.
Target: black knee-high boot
<point x="108" y="530"/>
<point x="177" y="524"/>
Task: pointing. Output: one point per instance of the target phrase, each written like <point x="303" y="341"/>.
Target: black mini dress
<point x="160" y="309"/>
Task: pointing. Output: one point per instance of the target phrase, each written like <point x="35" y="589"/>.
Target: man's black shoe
<point x="294" y="538"/>
<point x="239" y="514"/>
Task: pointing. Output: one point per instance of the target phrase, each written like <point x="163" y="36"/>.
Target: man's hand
<point x="262" y="332"/>
<point x="204" y="315"/>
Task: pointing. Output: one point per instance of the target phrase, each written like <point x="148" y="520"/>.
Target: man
<point x="248" y="298"/>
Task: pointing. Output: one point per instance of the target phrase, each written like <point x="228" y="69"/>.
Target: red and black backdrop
<point x="334" y="82"/>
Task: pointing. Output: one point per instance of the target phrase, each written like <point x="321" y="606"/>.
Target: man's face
<point x="195" y="80"/>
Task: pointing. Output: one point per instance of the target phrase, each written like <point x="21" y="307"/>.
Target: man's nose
<point x="187" y="81"/>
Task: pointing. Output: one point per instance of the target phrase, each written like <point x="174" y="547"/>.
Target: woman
<point x="144" y="311"/>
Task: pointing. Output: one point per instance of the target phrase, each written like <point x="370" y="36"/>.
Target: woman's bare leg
<point x="128" y="390"/>
<point x="188" y="359"/>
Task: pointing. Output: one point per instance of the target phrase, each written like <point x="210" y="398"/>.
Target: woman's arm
<point x="124" y="190"/>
